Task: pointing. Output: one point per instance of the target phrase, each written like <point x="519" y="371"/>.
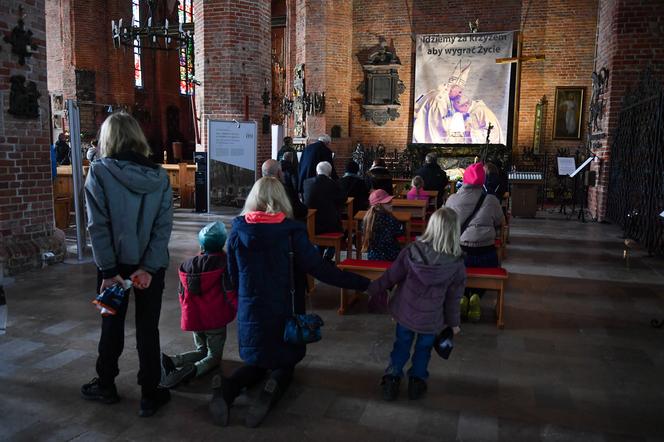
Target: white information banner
<point x="232" y="162"/>
<point x="233" y="143"/>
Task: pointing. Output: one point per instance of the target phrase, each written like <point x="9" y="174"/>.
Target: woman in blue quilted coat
<point x="258" y="265"/>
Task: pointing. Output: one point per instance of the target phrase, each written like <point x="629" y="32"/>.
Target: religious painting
<point x="568" y="113"/>
<point x="460" y="89"/>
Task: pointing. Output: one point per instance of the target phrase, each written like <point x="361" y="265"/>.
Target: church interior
<point x="563" y="98"/>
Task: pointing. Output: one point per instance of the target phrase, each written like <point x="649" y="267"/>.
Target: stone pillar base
<point x="24" y="255"/>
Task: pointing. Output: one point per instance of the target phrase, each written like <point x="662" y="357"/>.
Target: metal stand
<point x="582" y="210"/>
<point x="77" y="174"/>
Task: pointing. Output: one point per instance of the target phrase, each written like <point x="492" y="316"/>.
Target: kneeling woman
<point x="258" y="265"/>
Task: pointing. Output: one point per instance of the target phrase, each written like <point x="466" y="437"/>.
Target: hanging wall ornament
<point x="23" y="98"/>
<point x="21" y="40"/>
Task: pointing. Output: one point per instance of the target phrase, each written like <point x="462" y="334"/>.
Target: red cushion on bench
<point x="331" y="235"/>
<point x="417" y="222"/>
<point x="402" y="238"/>
<point x="486" y="271"/>
<point x="366" y="263"/>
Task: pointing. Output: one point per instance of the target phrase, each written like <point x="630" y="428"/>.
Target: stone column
<point x="232" y="62"/>
<point x="324" y="43"/>
<point x="26" y="192"/>
<point x="630" y="37"/>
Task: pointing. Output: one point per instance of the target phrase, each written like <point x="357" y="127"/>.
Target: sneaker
<point x="390" y="387"/>
<point x="173" y="379"/>
<point x="474" y="308"/>
<point x="152" y="402"/>
<point x="260" y="408"/>
<point x="94" y="391"/>
<point x="167" y="367"/>
<point x="464" y="308"/>
<point x="416" y="388"/>
<point x="218" y="406"/>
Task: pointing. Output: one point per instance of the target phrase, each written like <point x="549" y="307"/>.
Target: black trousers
<point x="111" y="343"/>
<point x="249" y="375"/>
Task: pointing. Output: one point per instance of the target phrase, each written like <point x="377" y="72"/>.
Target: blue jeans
<point x="401" y="353"/>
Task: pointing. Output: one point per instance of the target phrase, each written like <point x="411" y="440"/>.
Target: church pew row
<point x="477" y="278"/>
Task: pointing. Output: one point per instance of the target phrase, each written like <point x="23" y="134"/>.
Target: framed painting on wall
<point x="568" y="113"/>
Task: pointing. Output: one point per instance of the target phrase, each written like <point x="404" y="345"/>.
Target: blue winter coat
<point x="258" y="269"/>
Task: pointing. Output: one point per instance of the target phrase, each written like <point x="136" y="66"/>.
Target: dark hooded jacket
<point x="130" y="213"/>
<point x="313" y="154"/>
<point x="429" y="288"/>
<point x="258" y="266"/>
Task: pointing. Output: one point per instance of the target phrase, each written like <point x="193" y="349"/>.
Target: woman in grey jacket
<point x="130" y="216"/>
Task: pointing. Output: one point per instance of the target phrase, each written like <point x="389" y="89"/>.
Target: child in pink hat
<point x="381" y="228"/>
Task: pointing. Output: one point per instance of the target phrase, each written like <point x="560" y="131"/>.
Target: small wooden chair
<point x="348" y="225"/>
<point x="334" y="239"/>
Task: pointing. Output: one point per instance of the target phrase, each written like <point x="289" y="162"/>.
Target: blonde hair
<point x="120" y="132"/>
<point x="268" y="195"/>
<point x="417" y="182"/>
<point x="443" y="232"/>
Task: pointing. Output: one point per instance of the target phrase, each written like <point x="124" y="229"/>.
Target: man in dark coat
<point x="274" y="169"/>
<point x="379" y="177"/>
<point x="434" y="177"/>
<point x="323" y="194"/>
<point x="62" y="151"/>
<point x="313" y="154"/>
<point x="352" y="185"/>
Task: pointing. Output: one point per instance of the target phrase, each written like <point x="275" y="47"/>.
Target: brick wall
<point x="26" y="200"/>
<point x="232" y="64"/>
<point x="630" y="37"/>
<point x="562" y="30"/>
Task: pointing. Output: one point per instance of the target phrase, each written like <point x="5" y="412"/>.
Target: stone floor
<point x="577" y="360"/>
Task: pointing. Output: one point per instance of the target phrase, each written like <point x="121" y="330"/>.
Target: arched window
<point x="138" y="68"/>
<point x="186" y="15"/>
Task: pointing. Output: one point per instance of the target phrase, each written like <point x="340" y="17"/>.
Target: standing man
<point x="62" y="151"/>
<point x="434" y="177"/>
<point x="313" y="154"/>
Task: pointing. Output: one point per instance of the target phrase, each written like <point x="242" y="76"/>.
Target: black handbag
<point x="444" y="343"/>
<point x="300" y="328"/>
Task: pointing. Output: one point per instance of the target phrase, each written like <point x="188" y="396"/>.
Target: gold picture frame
<point x="568" y="112"/>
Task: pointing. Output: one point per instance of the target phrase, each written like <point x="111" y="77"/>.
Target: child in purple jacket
<point x="430" y="277"/>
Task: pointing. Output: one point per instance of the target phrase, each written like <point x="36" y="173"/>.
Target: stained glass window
<point x="186" y="15"/>
<point x="135" y="21"/>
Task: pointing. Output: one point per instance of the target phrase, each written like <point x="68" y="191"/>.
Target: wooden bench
<point x="431" y="194"/>
<point x="404" y="217"/>
<point x="477" y="278"/>
<point x="333" y="239"/>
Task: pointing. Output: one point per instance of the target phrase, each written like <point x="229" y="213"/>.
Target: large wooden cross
<point x="519" y="59"/>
